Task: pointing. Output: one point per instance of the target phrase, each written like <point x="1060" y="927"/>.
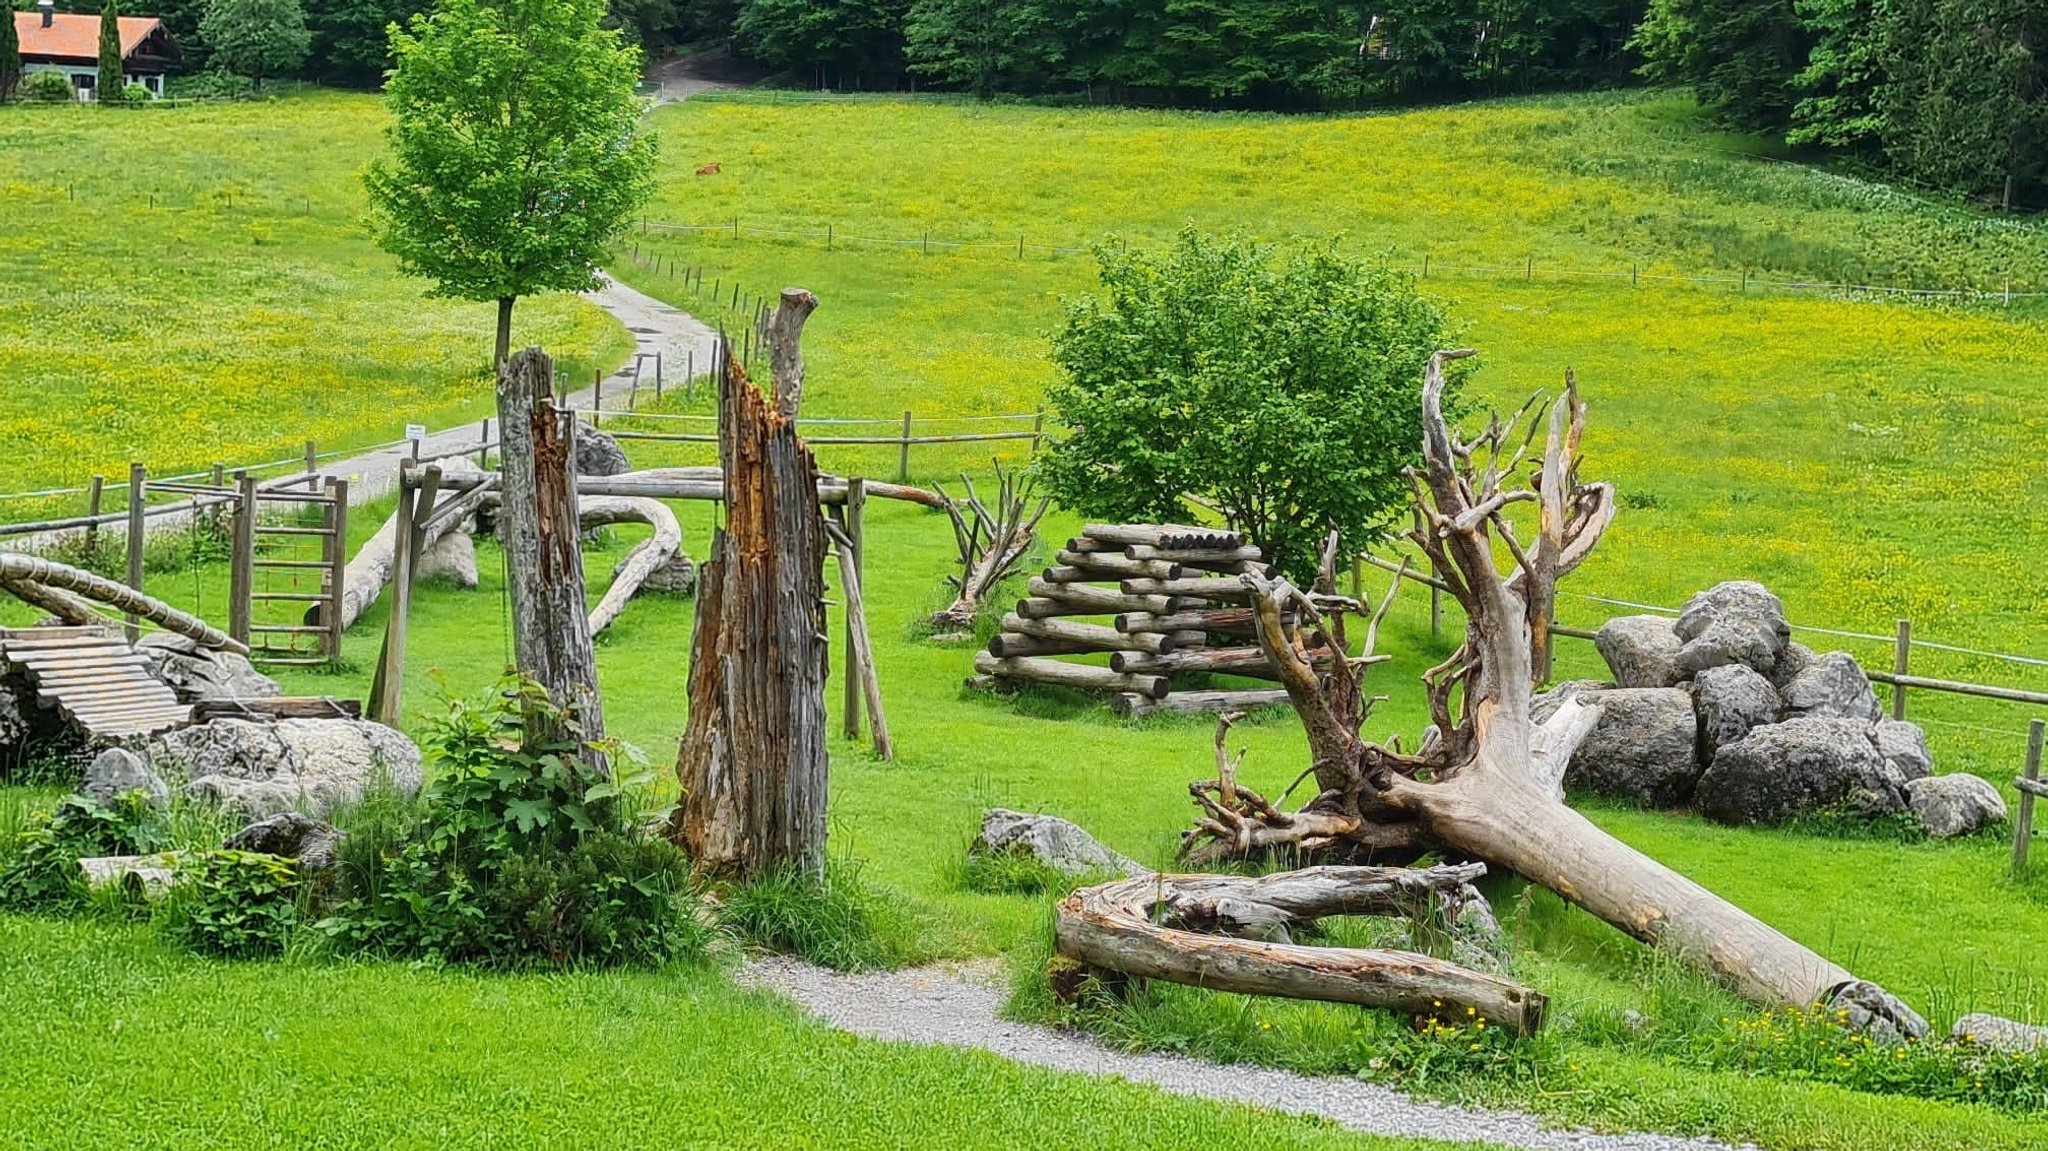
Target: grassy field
<point x="1862" y="457"/>
<point x="193" y="285"/>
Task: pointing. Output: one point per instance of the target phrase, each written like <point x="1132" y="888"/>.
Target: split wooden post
<point x="850" y="515"/>
<point x="92" y="509"/>
<point x="690" y="374"/>
<point x="483" y="443"/>
<point x="138" y="479"/>
<point x="337" y="562"/>
<point x="2030" y="786"/>
<point x="242" y="559"/>
<point x="657" y="375"/>
<point x="597" y="398"/>
<point x="312" y="464"/>
<point x="1037" y="430"/>
<point x="387" y="688"/>
<point x="903" y="459"/>
<point x="1902" y="654"/>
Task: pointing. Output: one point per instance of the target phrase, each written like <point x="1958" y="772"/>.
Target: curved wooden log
<point x="16" y="567"/>
<point x="72" y="609"/>
<point x="1159" y="927"/>
<point x="644" y="560"/>
<point x="369" y="571"/>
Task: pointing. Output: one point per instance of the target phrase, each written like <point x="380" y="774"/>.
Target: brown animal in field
<point x="708" y="170"/>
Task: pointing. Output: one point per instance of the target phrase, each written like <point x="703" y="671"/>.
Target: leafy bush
<point x="840" y="922"/>
<point x="1285" y="392"/>
<point x="520" y="852"/>
<point x="238" y="904"/>
<point x="136" y="94"/>
<point x="213" y="84"/>
<point x="46" y="88"/>
<point x="41" y="868"/>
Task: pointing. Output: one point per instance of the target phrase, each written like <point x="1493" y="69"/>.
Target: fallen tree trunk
<point x="1086" y="599"/>
<point x="1071" y="675"/>
<point x="1097" y="636"/>
<point x="1214" y="588"/>
<point x="17" y="568"/>
<point x="1110" y="565"/>
<point x="1223" y="660"/>
<point x="1229" y="620"/>
<point x="1229" y="933"/>
<point x="369" y="570"/>
<point x="1191" y="702"/>
<point x="69" y="608"/>
<point x="647" y="557"/>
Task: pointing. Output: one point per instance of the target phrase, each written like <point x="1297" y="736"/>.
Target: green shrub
<point x="840" y="922"/>
<point x="136" y="94"/>
<point x="41" y="870"/>
<point x="46" y="88"/>
<point x="238" y="904"/>
<point x="1005" y="873"/>
<point x="520" y="852"/>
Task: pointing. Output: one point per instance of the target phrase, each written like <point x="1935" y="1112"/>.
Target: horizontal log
<point x="1157" y="927"/>
<point x="1217" y="589"/>
<point x="991" y="683"/>
<point x="1009" y="644"/>
<point x="1071" y="675"/>
<point x="1091" y="600"/>
<point x="1164" y="535"/>
<point x="1109" y="565"/>
<point x="1227" y="660"/>
<point x="1194" y="702"/>
<point x="1229" y="620"/>
<point x="1207" y="558"/>
<point x="1103" y="638"/>
<point x="277" y="707"/>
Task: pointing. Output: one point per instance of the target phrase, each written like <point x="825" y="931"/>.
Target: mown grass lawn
<point x="1864" y="458"/>
<point x="192" y="285"/>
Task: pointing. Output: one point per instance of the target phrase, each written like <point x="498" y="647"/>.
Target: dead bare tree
<point x="992" y="543"/>
<point x="1487" y="780"/>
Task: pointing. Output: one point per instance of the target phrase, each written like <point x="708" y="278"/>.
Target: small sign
<point x="415" y="431"/>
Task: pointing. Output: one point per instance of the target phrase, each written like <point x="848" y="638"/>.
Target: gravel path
<point x="958" y="1006"/>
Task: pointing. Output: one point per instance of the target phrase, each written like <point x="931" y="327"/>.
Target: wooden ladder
<point x="331" y="533"/>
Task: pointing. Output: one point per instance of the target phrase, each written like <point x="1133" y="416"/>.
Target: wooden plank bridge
<point x="94" y="678"/>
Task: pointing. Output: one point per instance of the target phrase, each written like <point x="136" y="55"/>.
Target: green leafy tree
<point x="1284" y="391"/>
<point x="1965" y="100"/>
<point x="107" y="89"/>
<point x="10" y="55"/>
<point x="984" y="46"/>
<point x="1739" y="56"/>
<point x="516" y="154"/>
<point x="839" y="41"/>
<point x="256" y="38"/>
<point x="1844" y="72"/>
<point x="350" y="40"/>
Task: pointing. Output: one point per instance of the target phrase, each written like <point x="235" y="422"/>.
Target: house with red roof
<point x="69" y="42"/>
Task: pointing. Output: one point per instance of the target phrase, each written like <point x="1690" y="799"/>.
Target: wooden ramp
<point x="94" y="678"/>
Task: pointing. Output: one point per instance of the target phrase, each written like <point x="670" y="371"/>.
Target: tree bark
<point x="783" y="333"/>
<point x="752" y="763"/>
<point x="538" y="522"/>
<point x="504" y="342"/>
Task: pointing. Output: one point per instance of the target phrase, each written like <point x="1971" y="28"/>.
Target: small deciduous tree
<point x="110" y="85"/>
<point x="10" y="57"/>
<point x="256" y="38"/>
<point x="1281" y="391"/>
<point x="516" y="155"/>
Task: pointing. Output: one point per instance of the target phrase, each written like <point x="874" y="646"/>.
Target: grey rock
<point x="1873" y="1011"/>
<point x="1952" y="805"/>
<point x="1904" y="746"/>
<point x="195" y="673"/>
<point x="1735" y="622"/>
<point x="1732" y="700"/>
<point x="1796" y="657"/>
<point x="451" y="560"/>
<point x="1641" y="650"/>
<point x="1833" y="685"/>
<point x="598" y="454"/>
<point x="1644" y="749"/>
<point x="676" y="577"/>
<point x="1050" y="840"/>
<point x="310" y="765"/>
<point x="1996" y="1033"/>
<point x="292" y="835"/>
<point x="115" y="772"/>
<point x="14" y="725"/>
<point x="1803" y="766"/>
<point x="145" y="875"/>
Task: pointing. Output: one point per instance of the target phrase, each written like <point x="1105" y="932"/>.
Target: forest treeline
<point x="1952" y="94"/>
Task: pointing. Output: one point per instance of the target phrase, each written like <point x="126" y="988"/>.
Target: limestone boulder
<point x="597" y="454"/>
<point x="1735" y="622"/>
<point x="116" y="772"/>
<point x="262" y="769"/>
<point x="1803" y="766"/>
<point x="1052" y="841"/>
<point x="196" y="673"/>
<point x="676" y="577"/>
<point x="1834" y="685"/>
<point x="1997" y="1033"/>
<point x="1732" y="700"/>
<point x="1641" y="650"/>
<point x="1952" y="805"/>
<point x="1904" y="746"/>
<point x="292" y="835"/>
<point x="1644" y="749"/>
<point x="451" y="560"/>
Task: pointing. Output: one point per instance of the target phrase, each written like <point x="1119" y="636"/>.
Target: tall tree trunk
<point x="752" y="764"/>
<point x="538" y="520"/>
<point x="504" y="344"/>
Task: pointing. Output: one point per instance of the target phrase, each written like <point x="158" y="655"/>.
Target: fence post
<point x="2023" y="826"/>
<point x="850" y="668"/>
<point x="596" y="400"/>
<point x="1037" y="429"/>
<point x="1425" y="265"/>
<point x="1530" y="272"/>
<point x="690" y="373"/>
<point x="312" y="462"/>
<point x="483" y="443"/>
<point x="903" y="460"/>
<point x="1902" y="654"/>
<point x="657" y="375"/>
<point x="337" y="563"/>
<point x="242" y="558"/>
<point x="92" y="510"/>
<point x="828" y="237"/>
<point x="138" y="478"/>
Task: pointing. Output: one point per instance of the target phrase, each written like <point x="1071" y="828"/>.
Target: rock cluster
<point x="261" y="769"/>
<point x="1057" y="843"/>
<point x="1719" y="709"/>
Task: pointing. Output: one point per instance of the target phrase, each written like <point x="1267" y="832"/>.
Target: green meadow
<point x="1869" y="459"/>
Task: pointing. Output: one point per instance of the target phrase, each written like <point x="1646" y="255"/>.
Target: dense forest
<point x="1950" y="94"/>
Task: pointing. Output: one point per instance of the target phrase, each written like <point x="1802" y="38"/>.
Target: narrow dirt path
<point x="960" y="1006"/>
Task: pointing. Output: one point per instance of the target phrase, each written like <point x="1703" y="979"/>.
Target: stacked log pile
<point x="1162" y="601"/>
